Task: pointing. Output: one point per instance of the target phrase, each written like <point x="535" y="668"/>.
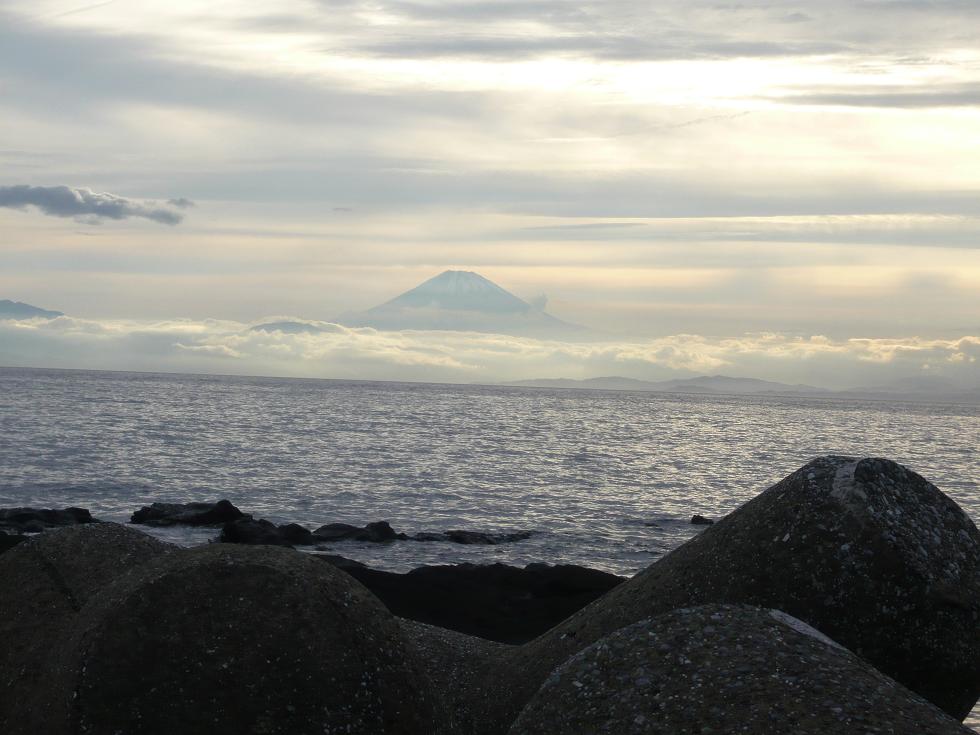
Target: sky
<point x="760" y="188"/>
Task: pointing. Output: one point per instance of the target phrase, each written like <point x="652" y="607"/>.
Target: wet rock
<point x="865" y="550"/>
<point x="493" y="601"/>
<point x="263" y="640"/>
<point x="699" y="520"/>
<point x="187" y="514"/>
<point x="378" y="532"/>
<point x="35" y="520"/>
<point x="10" y="540"/>
<point x="473" y="537"/>
<point x="250" y="531"/>
<point x="724" y="669"/>
<point x="44" y="582"/>
<point x="297" y="534"/>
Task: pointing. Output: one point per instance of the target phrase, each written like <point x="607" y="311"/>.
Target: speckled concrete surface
<point x="724" y="669"/>
<point x="454" y="663"/>
<point x="228" y="639"/>
<point x="864" y="550"/>
<point x="44" y="582"/>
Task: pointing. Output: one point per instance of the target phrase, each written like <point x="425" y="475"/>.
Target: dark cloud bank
<point x="65" y="201"/>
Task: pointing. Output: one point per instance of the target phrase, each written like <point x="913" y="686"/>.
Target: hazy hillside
<point x="18" y="310"/>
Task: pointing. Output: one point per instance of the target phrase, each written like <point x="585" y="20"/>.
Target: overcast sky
<point x="656" y="168"/>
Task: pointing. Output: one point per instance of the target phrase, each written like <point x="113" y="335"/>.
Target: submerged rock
<point x="250" y="531"/>
<point x="699" y="520"/>
<point x="187" y="514"/>
<point x="246" y="530"/>
<point x="493" y="601"/>
<point x="237" y="639"/>
<point x="724" y="669"/>
<point x="864" y="550"/>
<point x="44" y="582"/>
<point x="34" y="520"/>
<point x="378" y="532"/>
<point x="473" y="537"/>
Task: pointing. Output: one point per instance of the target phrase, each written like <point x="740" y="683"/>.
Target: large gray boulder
<point x="724" y="669"/>
<point x="864" y="550"/>
<point x="44" y="582"/>
<point x="237" y="639"/>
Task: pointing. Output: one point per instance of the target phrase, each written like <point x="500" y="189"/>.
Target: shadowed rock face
<point x="723" y="669"/>
<point x="493" y="601"/>
<point x="866" y="551"/>
<point x="44" y="582"/>
<point x="34" y="520"/>
<point x="237" y="639"/>
<point x="10" y="540"/>
<point x="187" y="514"/>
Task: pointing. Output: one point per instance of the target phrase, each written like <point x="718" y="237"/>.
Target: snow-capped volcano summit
<point x="460" y="291"/>
<point x="460" y="301"/>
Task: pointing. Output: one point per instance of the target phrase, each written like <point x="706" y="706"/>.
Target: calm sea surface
<point x="604" y="479"/>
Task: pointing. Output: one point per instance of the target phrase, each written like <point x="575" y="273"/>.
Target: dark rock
<point x="473" y="537"/>
<point x="724" y="669"/>
<point x="493" y="601"/>
<point x="378" y="532"/>
<point x="341" y="562"/>
<point x="295" y="534"/>
<point x="251" y="531"/>
<point x="45" y="582"/>
<point x="35" y="520"/>
<point x="10" y="540"/>
<point x="699" y="520"/>
<point x="866" y="551"/>
<point x="187" y="514"/>
<point x="257" y="640"/>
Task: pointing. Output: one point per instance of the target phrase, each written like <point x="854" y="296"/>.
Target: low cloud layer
<point x="340" y="352"/>
<point x="66" y="201"/>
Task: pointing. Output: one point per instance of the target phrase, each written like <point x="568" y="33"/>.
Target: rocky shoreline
<point x="845" y="598"/>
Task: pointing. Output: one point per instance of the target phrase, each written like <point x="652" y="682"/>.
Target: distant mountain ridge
<point x="702" y="384"/>
<point x="725" y="385"/>
<point x="461" y="301"/>
<point x="19" y="310"/>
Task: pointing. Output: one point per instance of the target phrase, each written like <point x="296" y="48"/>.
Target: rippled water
<point x="604" y="479"/>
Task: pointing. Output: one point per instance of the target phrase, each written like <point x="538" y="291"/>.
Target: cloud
<point x="356" y="353"/>
<point x="907" y="98"/>
<point x="65" y="201"/>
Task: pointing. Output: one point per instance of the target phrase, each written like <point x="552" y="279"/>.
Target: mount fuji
<point x="461" y="301"/>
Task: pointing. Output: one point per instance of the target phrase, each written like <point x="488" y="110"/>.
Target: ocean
<point x="603" y="479"/>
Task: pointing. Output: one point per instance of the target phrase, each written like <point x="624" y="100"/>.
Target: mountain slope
<point x="18" y="310"/>
<point x="460" y="301"/>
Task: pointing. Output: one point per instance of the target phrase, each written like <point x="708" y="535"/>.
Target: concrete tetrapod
<point x="724" y="669"/>
<point x="44" y="582"/>
<point x="232" y="639"/>
<point x="864" y="550"/>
